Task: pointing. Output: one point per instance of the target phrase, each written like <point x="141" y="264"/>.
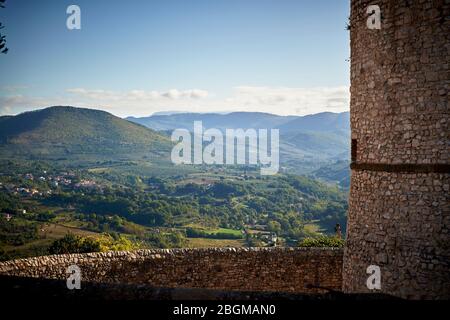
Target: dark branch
<point x="3" y="47"/>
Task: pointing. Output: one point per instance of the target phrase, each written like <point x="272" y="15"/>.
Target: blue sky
<point x="137" y="57"/>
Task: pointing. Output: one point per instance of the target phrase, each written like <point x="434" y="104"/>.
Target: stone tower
<point x="399" y="209"/>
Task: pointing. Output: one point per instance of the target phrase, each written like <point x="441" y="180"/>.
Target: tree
<point x="274" y="226"/>
<point x="3" y="48"/>
<point x="71" y="243"/>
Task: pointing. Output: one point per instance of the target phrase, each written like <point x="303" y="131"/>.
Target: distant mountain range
<point x="305" y="141"/>
<point x="325" y="121"/>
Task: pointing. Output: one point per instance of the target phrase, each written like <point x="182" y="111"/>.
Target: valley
<point x="90" y="185"/>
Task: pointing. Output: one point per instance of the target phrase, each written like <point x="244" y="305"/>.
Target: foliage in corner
<point x="3" y="48"/>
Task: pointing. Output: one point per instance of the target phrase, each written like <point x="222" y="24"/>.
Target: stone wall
<point x="244" y="269"/>
<point x="399" y="207"/>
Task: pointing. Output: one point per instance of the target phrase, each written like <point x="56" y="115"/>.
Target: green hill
<point x="335" y="172"/>
<point x="69" y="130"/>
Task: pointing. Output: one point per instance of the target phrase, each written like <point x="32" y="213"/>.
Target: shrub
<point x="71" y="243"/>
<point x="322" y="241"/>
<point x="75" y="244"/>
<point x="116" y="242"/>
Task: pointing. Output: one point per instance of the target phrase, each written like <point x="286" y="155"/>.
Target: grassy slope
<point x="76" y="130"/>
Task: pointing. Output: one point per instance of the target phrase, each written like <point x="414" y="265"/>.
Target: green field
<point x="213" y="243"/>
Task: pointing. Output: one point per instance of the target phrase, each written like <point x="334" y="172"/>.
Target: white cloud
<point x="173" y="94"/>
<point x="18" y="103"/>
<point x="5" y="111"/>
<point x="94" y="94"/>
<point x="294" y="100"/>
<point x="13" y="88"/>
<point x="279" y="100"/>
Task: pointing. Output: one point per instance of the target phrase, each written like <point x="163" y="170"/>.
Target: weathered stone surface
<point x="252" y="269"/>
<point x="399" y="115"/>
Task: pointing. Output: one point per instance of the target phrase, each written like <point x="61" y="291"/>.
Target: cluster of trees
<point x="129" y="204"/>
<point x="17" y="231"/>
<point x="8" y="203"/>
<point x="71" y="243"/>
<point x="197" y="233"/>
<point x="283" y="203"/>
<point x="166" y="240"/>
